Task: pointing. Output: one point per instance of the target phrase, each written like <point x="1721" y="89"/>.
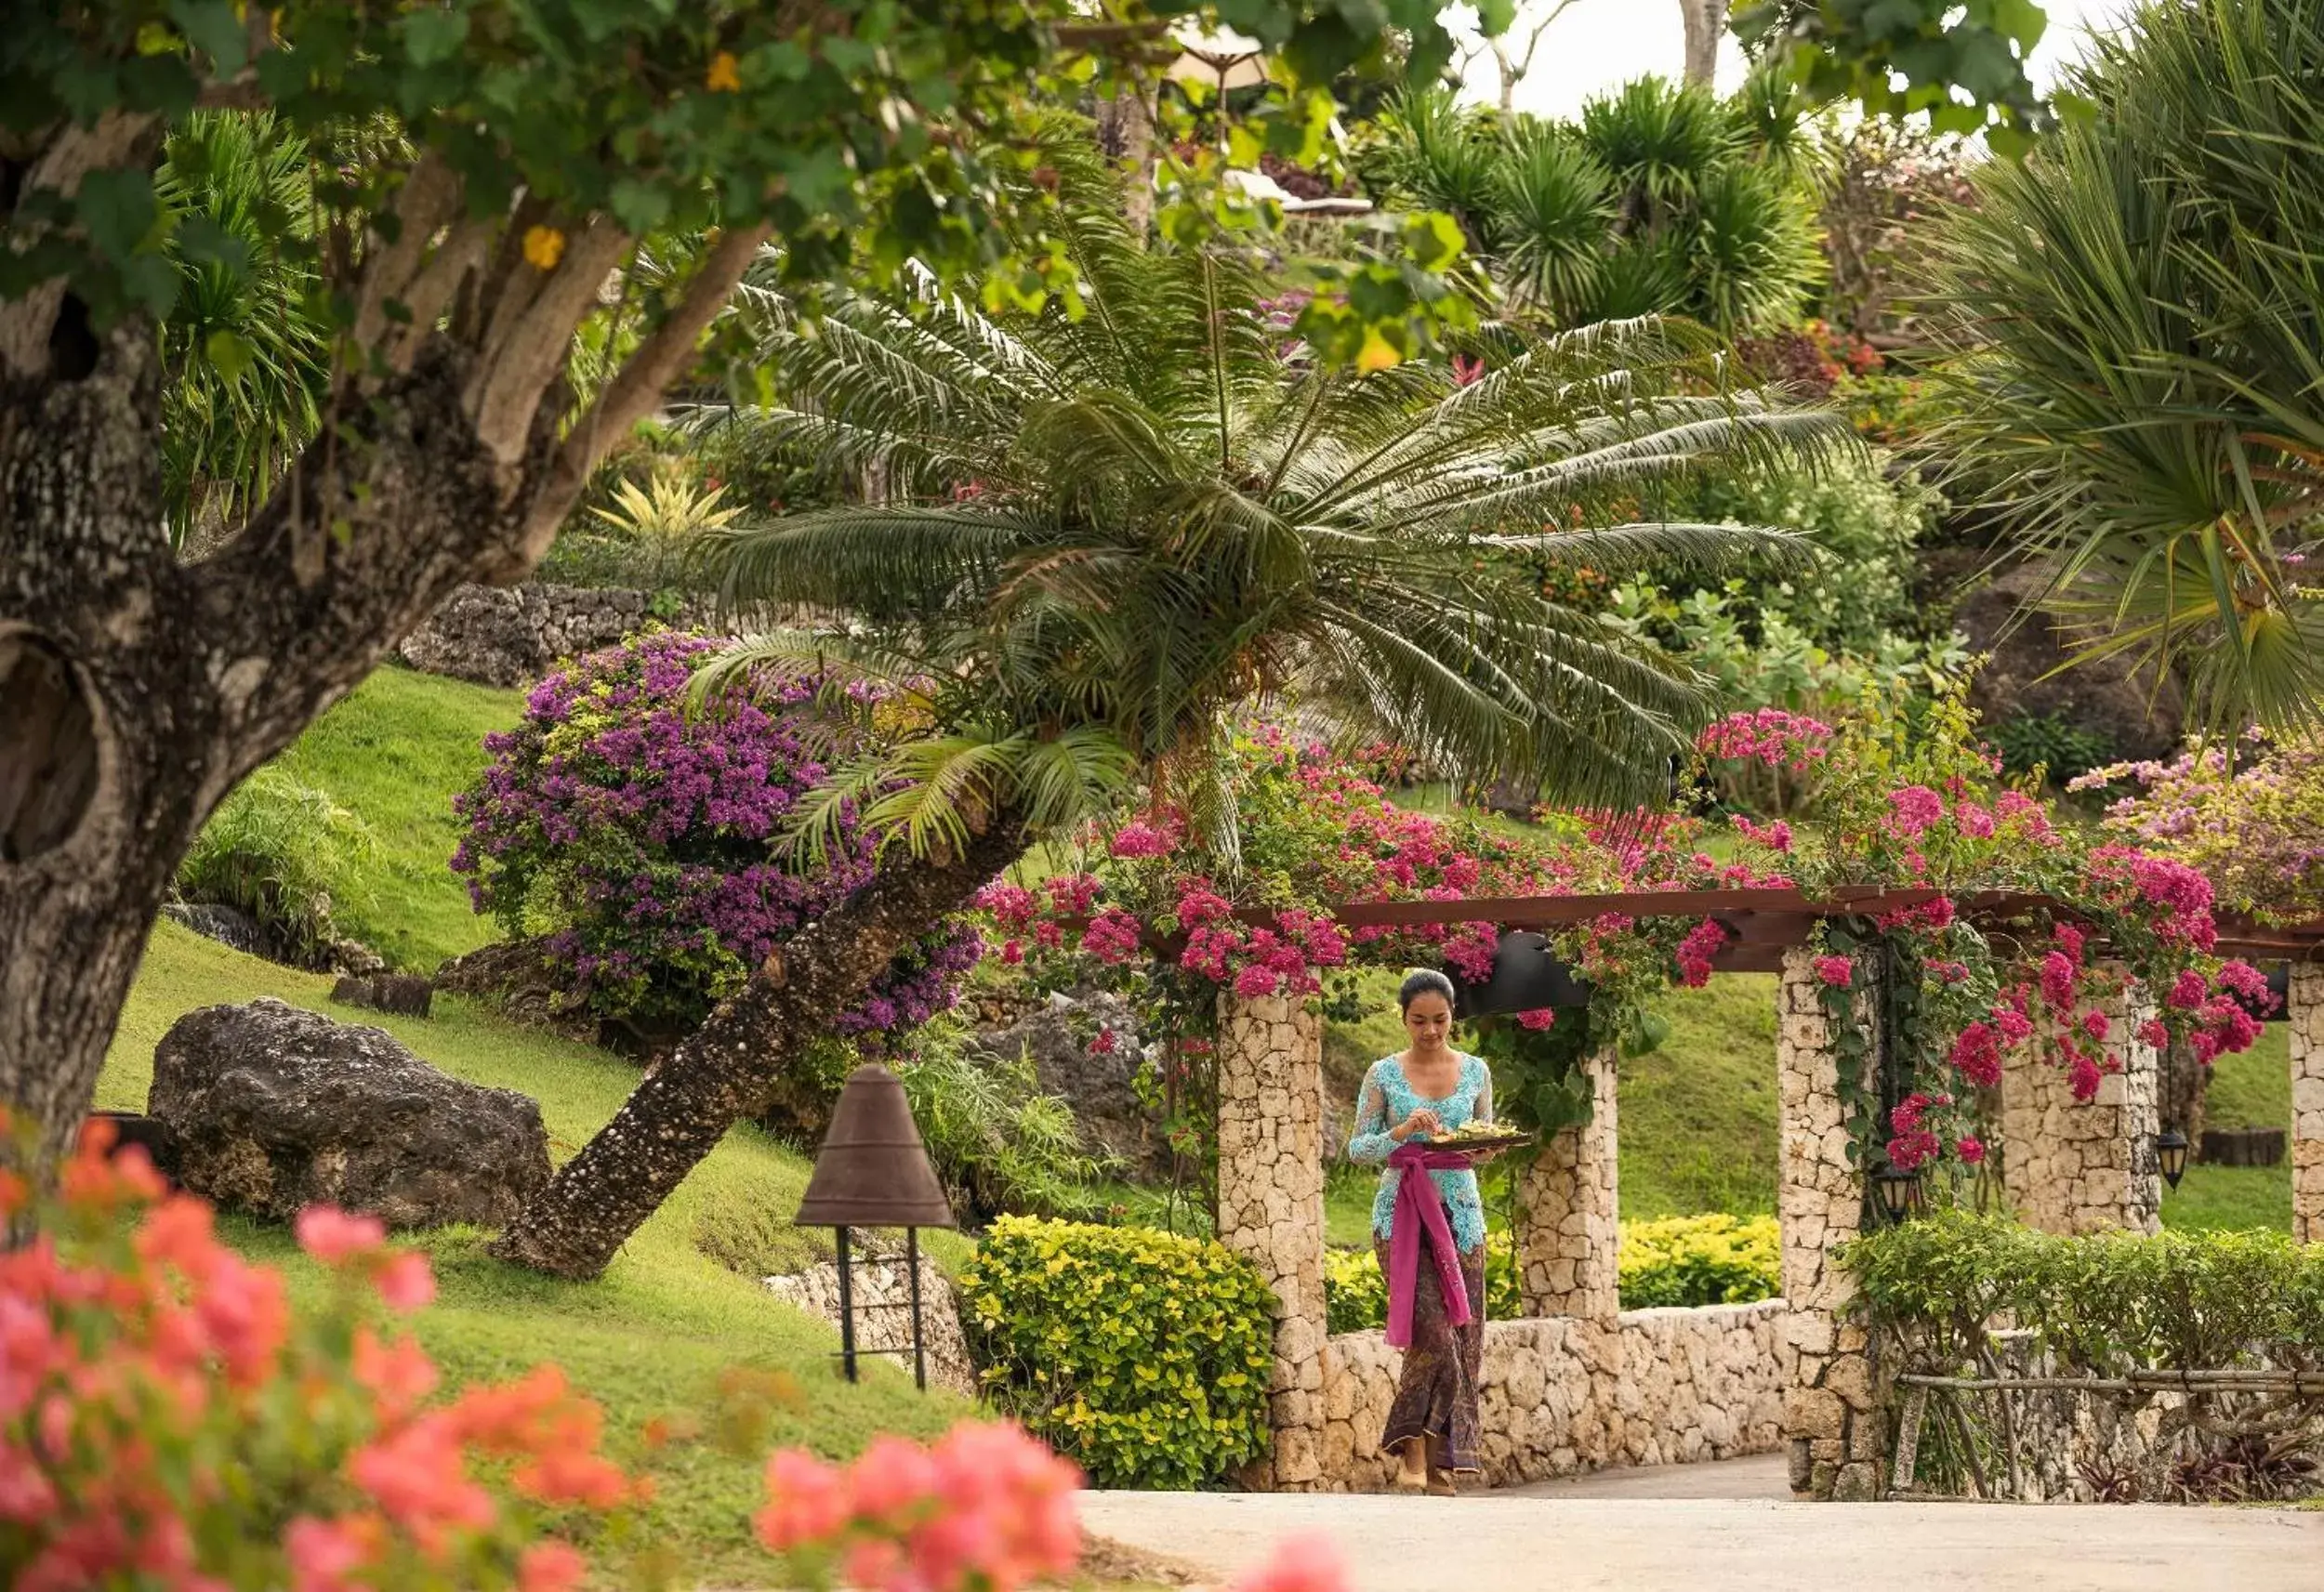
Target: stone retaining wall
<point x="508" y="636"/>
<point x="1561" y="1395"/>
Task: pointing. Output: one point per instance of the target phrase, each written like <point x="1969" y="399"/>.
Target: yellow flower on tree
<point x="722" y="78"/>
<point x="543" y="247"/>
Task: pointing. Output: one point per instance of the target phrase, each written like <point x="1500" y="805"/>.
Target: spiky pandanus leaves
<point x="2139" y="312"/>
<point x="1109" y="533"/>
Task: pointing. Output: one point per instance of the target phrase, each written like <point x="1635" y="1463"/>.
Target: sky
<point x="1598" y="45"/>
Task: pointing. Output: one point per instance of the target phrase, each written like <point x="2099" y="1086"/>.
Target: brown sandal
<point x="1441" y="1485"/>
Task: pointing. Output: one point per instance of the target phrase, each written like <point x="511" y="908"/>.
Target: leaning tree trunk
<point x="721" y="1074"/>
<point x="1706" y="20"/>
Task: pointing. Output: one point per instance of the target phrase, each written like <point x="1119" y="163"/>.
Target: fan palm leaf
<point x="1135" y="524"/>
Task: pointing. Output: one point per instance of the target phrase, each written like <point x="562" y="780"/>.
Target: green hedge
<point x="2101" y="1304"/>
<point x="1141" y="1356"/>
<point x="1677" y="1260"/>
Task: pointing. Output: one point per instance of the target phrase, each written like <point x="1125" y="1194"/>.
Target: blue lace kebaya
<point x="1387" y="1098"/>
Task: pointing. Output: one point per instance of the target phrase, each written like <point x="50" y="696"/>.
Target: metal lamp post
<point x="873" y="1171"/>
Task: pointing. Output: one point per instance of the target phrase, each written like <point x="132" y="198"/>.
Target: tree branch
<point x="641" y="380"/>
<point x="430" y="197"/>
<point x="511" y="379"/>
<point x="431" y="290"/>
<point x="115" y="140"/>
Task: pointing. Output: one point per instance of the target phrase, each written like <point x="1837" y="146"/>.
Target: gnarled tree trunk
<point x="135" y="689"/>
<point x="721" y="1074"/>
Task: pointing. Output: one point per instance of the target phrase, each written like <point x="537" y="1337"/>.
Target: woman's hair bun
<point x="1425" y="982"/>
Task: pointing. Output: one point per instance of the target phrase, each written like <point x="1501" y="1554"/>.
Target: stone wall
<point x="1832" y="1420"/>
<point x="2074" y="1166"/>
<point x="1270" y="1209"/>
<point x="1568" y="1221"/>
<point x="2306" y="1022"/>
<point x="1559" y="1396"/>
<point x="882" y="1290"/>
<point x="506" y="636"/>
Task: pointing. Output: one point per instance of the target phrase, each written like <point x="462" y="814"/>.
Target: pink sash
<point x="1418" y="1206"/>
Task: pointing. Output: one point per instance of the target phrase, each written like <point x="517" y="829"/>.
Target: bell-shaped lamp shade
<point x="872" y="1170"/>
<point x="1899" y="1192"/>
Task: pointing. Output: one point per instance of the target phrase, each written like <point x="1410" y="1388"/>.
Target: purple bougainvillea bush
<point x="642" y="840"/>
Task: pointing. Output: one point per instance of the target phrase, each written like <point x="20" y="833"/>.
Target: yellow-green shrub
<point x="1141" y="1356"/>
<point x="1677" y="1260"/>
<point x="1716" y="1259"/>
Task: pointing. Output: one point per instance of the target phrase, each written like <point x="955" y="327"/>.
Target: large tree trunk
<point x="1706" y="20"/>
<point x="720" y="1076"/>
<point x="135" y="689"/>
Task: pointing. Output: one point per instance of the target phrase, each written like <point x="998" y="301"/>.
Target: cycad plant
<point x="1660" y="200"/>
<point x="1095" y="535"/>
<point x="2138" y="315"/>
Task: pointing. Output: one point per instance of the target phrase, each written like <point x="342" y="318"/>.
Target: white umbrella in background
<point x="1224" y="61"/>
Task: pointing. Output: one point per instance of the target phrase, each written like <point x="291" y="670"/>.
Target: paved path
<point x="1499" y="1542"/>
<point x="1767" y="1477"/>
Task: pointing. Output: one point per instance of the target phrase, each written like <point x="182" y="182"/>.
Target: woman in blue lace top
<point x="1430" y="1088"/>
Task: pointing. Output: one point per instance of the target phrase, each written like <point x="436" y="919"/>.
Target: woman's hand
<point x="1421" y="1120"/>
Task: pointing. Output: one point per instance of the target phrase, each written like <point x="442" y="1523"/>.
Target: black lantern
<point x="1899" y="1192"/>
<point x="873" y="1171"/>
<point x="1527" y="976"/>
<point x="2171" y="1151"/>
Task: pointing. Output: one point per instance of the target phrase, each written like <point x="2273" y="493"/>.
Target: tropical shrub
<point x="1660" y="200"/>
<point x="997" y="1140"/>
<point x="1866" y="523"/>
<point x="2252" y="823"/>
<point x="642" y="837"/>
<point x="2063" y="749"/>
<point x="1143" y="1356"/>
<point x="1712" y="1259"/>
<point x="167" y="1419"/>
<point x="2134" y="311"/>
<point x="1716" y="1259"/>
<point x="281" y="852"/>
<point x="2105" y="1303"/>
<point x="245" y="345"/>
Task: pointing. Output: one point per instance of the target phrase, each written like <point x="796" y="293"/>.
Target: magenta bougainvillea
<point x="1919" y="806"/>
<point x="642" y="838"/>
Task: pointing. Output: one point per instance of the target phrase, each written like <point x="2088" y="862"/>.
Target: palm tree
<point x="1095" y="534"/>
<point x="2138" y="316"/>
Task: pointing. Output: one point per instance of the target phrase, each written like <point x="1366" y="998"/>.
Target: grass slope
<point x="393" y="753"/>
<point x="2249" y="1090"/>
<point x="657" y="1335"/>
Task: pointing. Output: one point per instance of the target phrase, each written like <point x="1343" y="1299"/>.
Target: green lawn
<point x="2249" y="1090"/>
<point x="656" y="1334"/>
<point x="393" y="753"/>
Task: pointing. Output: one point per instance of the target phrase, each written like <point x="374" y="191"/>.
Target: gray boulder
<point x="1098" y="1084"/>
<point x="407" y="994"/>
<point x="272" y="1108"/>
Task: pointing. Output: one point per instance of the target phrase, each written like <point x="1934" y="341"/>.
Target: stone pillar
<point x="2075" y="1166"/>
<point x="2306" y="1019"/>
<point x="1271" y="1209"/>
<point x="1568" y="1214"/>
<point x="1832" y="1420"/>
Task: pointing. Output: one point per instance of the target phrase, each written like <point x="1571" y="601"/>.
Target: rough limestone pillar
<point x="1271" y="1209"/>
<point x="1832" y="1422"/>
<point x="2075" y="1166"/>
<point x="2306" y="1018"/>
<point x="1568" y="1214"/>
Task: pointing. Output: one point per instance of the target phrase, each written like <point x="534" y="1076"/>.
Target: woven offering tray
<point x="1505" y="1140"/>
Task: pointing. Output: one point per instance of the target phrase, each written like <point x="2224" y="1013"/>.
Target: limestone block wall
<point x="2073" y="1167"/>
<point x="1270" y="1209"/>
<point x="2306" y="1022"/>
<point x="1832" y="1422"/>
<point x="1561" y="1395"/>
<point x="880" y="1289"/>
<point x="1568" y="1218"/>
